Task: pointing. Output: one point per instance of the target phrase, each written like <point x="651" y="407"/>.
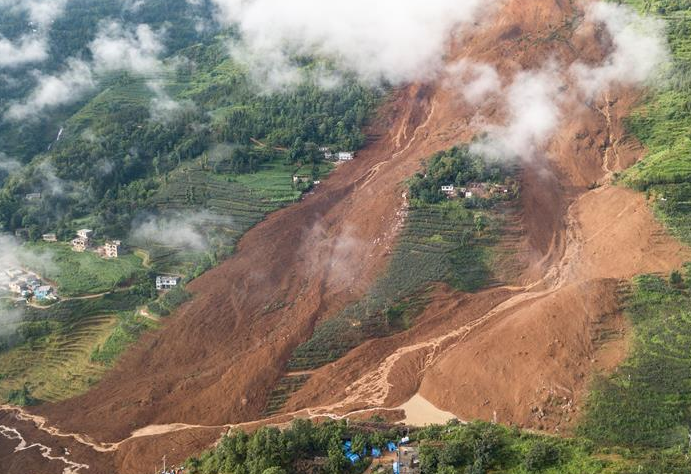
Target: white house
<point x="449" y="190"/>
<point x="50" y="238"/>
<point x="166" y="282"/>
<point x="345" y="155"/>
<point x="33" y="196"/>
<point x="85" y="233"/>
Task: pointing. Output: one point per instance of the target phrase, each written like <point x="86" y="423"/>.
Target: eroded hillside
<point x="518" y="353"/>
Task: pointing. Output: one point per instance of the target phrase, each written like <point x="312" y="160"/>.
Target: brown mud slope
<point x="504" y="353"/>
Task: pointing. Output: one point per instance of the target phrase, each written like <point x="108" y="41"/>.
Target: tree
<point x="337" y="463"/>
<point x="541" y="455"/>
<point x="359" y="443"/>
<point x="676" y="279"/>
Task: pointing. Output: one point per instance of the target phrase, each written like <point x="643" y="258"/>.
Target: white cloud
<point x="28" y="49"/>
<point x="9" y="165"/>
<point x="41" y="12"/>
<point x="532" y="103"/>
<point x="175" y="230"/>
<point x="639" y="49"/>
<point x="118" y="48"/>
<point x="395" y="40"/>
<point x="163" y="107"/>
<point x="55" y="90"/>
<point x="31" y="47"/>
<point x="474" y="81"/>
<point x="114" y="48"/>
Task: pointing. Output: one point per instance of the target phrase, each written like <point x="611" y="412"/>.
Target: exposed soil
<point x="521" y="354"/>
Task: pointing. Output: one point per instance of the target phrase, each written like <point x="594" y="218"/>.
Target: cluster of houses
<point x="338" y="156"/>
<point x="407" y="456"/>
<point x="474" y="190"/>
<point x="83" y="241"/>
<point x="28" y="285"/>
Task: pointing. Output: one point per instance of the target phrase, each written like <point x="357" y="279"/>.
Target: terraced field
<point x="53" y="353"/>
<point x="231" y="205"/>
<point x="61" y="362"/>
<point x="440" y="243"/>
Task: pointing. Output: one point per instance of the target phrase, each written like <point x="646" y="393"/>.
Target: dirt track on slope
<point x="521" y="353"/>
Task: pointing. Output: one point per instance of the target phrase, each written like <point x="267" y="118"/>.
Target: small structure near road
<point x="166" y="282"/>
<point x="33" y="196"/>
<point x="43" y="292"/>
<point x="345" y="155"/>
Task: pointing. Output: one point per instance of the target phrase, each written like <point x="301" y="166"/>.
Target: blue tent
<point x="376" y="453"/>
<point x="347" y="445"/>
<point x="391" y="446"/>
<point x="353" y="458"/>
<point x="395" y="468"/>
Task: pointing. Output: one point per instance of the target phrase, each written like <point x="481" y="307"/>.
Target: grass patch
<point x="662" y="122"/>
<point x="81" y="273"/>
<point x="647" y="401"/>
<point x="128" y="329"/>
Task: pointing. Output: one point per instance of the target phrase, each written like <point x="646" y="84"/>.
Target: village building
<point x="85" y="233"/>
<point x="449" y="190"/>
<point x="33" y="196"/>
<point x="82" y="241"/>
<point x="43" y="292"/>
<point x="345" y="156"/>
<point x="166" y="282"/>
<point x="111" y="249"/>
<point x="80" y="244"/>
<point x="301" y="179"/>
<point x="50" y="237"/>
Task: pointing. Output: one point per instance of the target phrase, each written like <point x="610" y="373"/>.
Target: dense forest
<point x="113" y="155"/>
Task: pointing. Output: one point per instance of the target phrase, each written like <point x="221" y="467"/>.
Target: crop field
<point x="647" y="401"/>
<point x="440" y="243"/>
<point x="81" y="273"/>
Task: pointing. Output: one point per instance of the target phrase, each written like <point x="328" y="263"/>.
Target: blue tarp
<point x="346" y="446"/>
<point x="376" y="453"/>
<point x="353" y="457"/>
<point x="395" y="468"/>
<point x="391" y="446"/>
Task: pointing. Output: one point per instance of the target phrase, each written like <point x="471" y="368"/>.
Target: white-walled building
<point x="166" y="282"/>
